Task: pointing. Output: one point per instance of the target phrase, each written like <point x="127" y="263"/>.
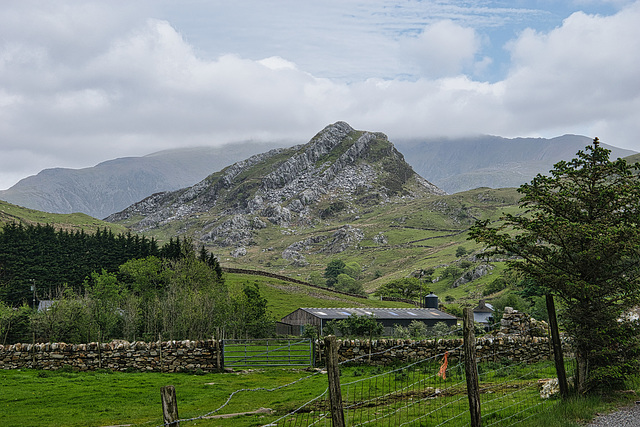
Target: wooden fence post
<point x="218" y="350"/>
<point x="333" y="374"/>
<point x="160" y="352"/>
<point x="470" y="367"/>
<point x="557" y="347"/>
<point x="169" y="406"/>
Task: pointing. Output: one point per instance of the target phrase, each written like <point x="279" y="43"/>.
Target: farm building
<point x="389" y="317"/>
<point x="482" y="312"/>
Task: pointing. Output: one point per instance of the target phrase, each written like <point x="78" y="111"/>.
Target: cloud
<point x="82" y="85"/>
<point x="584" y="72"/>
<point x="443" y="48"/>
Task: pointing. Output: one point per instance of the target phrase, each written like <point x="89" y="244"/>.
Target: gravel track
<point x="629" y="416"/>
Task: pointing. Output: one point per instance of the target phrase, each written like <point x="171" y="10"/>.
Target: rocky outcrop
<point x="344" y="237"/>
<point x="285" y="188"/>
<point x="471" y="275"/>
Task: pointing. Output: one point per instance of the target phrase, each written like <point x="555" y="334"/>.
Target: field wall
<point x="191" y="356"/>
<point x="167" y="356"/>
<point x="493" y="348"/>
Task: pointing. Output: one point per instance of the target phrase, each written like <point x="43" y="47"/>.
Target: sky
<point x="82" y="82"/>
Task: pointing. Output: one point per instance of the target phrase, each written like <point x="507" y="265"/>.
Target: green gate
<point x="268" y="352"/>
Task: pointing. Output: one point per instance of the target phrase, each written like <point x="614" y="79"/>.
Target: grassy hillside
<point x="76" y="221"/>
<point x="286" y="297"/>
<point x="418" y="234"/>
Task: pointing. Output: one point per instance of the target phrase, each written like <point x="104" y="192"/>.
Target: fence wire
<point x="417" y="394"/>
<point x="428" y="391"/>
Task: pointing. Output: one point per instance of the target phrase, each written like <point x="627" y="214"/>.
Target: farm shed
<point x="482" y="312"/>
<point x="387" y="316"/>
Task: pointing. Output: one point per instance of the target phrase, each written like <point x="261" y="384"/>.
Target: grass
<point x="67" y="398"/>
<point x="71" y="222"/>
<point x="44" y="398"/>
<point x="286" y="297"/>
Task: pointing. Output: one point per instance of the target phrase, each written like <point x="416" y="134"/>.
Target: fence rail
<point x="268" y="352"/>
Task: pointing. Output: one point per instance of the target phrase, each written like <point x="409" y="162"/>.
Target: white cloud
<point x="85" y="84"/>
<point x="443" y="48"/>
<point x="584" y="72"/>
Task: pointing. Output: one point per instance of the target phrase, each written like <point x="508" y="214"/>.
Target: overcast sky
<point x="82" y="82"/>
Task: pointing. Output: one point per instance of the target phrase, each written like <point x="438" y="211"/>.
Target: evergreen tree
<point x="578" y="239"/>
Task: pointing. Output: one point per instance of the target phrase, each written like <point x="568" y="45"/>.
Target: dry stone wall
<point x="493" y="348"/>
<point x="167" y="356"/>
<point x="520" y="339"/>
<point x="189" y="356"/>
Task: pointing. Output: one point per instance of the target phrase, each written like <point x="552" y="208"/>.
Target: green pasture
<point x="76" y="221"/>
<point x="101" y="398"/>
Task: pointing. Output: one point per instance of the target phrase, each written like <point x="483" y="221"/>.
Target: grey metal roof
<point x="483" y="307"/>
<point x="379" y="313"/>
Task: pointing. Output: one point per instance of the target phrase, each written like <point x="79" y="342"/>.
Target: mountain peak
<point x="339" y="169"/>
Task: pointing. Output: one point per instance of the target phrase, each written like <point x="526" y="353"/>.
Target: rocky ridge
<point x="339" y="170"/>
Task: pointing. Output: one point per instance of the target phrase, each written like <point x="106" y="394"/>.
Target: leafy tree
<point x="452" y="271"/>
<point x="361" y="326"/>
<point x="408" y="287"/>
<point x="418" y="329"/>
<point x="508" y="299"/>
<point x="68" y="319"/>
<point x="250" y="308"/>
<point x="348" y="284"/>
<point x="105" y="293"/>
<point x="578" y="240"/>
<point x="460" y="251"/>
<point x="311" y="331"/>
<point x="333" y="270"/>
<point x="353" y="269"/>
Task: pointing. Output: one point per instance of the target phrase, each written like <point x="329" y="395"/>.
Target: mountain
<point x="460" y="164"/>
<point x="340" y="169"/>
<point x="10" y="213"/>
<point x="115" y="184"/>
<point x="452" y="164"/>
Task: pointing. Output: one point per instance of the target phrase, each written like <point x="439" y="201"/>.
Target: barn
<point x="389" y="317"/>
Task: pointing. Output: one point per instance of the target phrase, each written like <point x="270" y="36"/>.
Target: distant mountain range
<point x="115" y="184"/>
<point x="460" y="164"/>
<point x="454" y="165"/>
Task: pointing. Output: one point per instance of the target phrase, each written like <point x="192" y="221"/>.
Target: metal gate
<point x="268" y="352"/>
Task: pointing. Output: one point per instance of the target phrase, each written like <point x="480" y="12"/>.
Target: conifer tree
<point x="578" y="238"/>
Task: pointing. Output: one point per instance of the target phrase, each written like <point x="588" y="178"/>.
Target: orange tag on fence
<point x="443" y="368"/>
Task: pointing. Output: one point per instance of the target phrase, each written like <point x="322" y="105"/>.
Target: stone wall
<point x="185" y="356"/>
<point x="518" y="340"/>
<point x="168" y="356"/>
<point x="494" y="348"/>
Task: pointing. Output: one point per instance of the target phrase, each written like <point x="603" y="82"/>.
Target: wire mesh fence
<point x="433" y="392"/>
<point x="430" y="390"/>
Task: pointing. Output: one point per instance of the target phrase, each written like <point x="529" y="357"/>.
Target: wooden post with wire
<point x="333" y="374"/>
<point x="169" y="406"/>
<point x="471" y="368"/>
<point x="557" y="347"/>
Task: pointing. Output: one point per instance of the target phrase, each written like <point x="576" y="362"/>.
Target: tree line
<point x="108" y="286"/>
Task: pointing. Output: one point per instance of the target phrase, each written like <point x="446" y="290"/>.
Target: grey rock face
<point x="380" y="239"/>
<point x="344" y="237"/>
<point x="476" y="273"/>
<point x="282" y="188"/>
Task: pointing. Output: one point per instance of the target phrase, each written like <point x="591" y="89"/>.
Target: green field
<point x="71" y="222"/>
<point x="67" y="398"/>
